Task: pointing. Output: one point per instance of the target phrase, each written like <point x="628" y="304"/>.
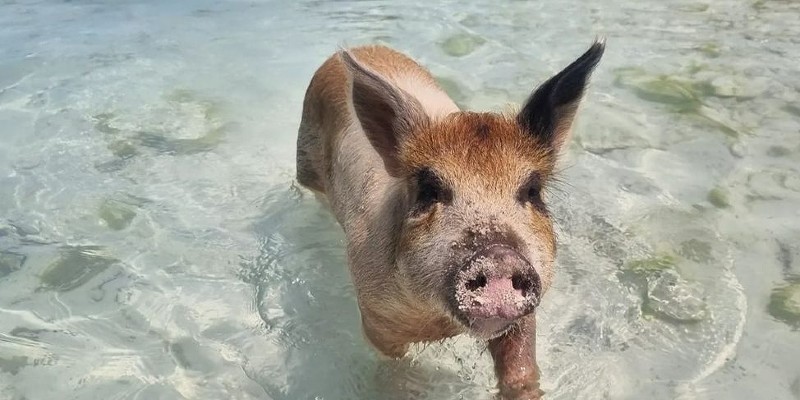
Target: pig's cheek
<point x="412" y="276"/>
<point x="424" y="279"/>
<point x="546" y="275"/>
<point x="543" y="262"/>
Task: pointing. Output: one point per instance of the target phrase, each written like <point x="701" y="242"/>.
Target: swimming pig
<point x="444" y="212"/>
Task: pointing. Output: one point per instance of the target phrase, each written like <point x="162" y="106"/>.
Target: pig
<point x="444" y="210"/>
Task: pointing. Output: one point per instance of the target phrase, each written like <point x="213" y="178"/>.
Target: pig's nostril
<point x="521" y="283"/>
<point x="477" y="283"/>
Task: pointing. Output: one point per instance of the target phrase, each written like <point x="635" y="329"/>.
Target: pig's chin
<point x="489" y="328"/>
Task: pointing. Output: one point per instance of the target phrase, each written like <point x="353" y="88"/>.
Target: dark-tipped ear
<point x="550" y="110"/>
<point x="386" y="113"/>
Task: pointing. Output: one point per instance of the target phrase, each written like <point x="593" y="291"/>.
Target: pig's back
<point x="331" y="146"/>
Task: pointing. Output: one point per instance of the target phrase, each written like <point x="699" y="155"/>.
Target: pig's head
<point x="476" y="240"/>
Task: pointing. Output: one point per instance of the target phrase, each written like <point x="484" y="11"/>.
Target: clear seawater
<point x="154" y="245"/>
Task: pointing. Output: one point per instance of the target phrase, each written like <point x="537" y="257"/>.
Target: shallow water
<point x="154" y="245"/>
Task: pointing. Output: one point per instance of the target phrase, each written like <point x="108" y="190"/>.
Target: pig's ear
<point x="387" y="114"/>
<point x="550" y="110"/>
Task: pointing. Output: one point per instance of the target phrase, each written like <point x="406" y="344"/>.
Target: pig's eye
<point x="428" y="194"/>
<point x="430" y="190"/>
<point x="531" y="191"/>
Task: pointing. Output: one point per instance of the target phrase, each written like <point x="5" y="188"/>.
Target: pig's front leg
<point x="514" y="357"/>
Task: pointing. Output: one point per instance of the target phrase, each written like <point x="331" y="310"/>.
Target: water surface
<point x="153" y="243"/>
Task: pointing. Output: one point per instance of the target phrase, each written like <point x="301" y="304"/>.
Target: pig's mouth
<point x="490" y="328"/>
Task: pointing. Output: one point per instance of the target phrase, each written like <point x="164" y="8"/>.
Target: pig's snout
<point x="494" y="288"/>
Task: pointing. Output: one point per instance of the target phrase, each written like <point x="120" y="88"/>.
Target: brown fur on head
<point x="469" y="181"/>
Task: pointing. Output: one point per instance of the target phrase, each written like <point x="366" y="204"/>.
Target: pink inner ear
<point x="386" y="113"/>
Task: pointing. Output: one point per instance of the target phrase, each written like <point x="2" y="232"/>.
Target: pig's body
<point x="336" y="159"/>
<point x="447" y="231"/>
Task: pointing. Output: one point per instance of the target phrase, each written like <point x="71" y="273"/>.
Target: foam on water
<point x="153" y="243"/>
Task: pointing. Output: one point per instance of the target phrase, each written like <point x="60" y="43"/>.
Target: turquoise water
<point x="154" y="245"/>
